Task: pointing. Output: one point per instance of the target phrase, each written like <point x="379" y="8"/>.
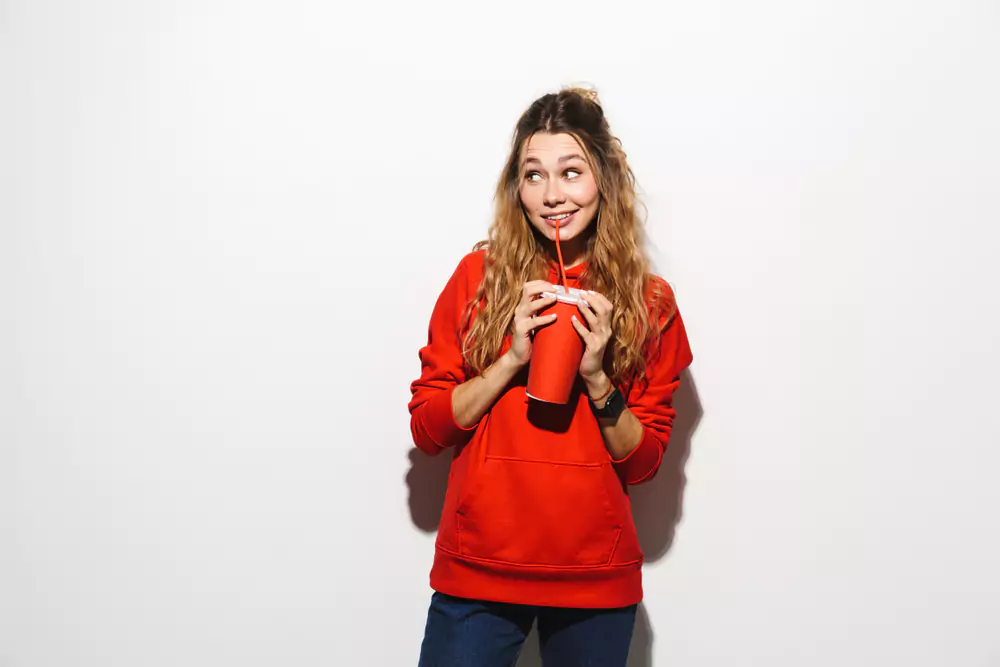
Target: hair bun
<point x="584" y="90"/>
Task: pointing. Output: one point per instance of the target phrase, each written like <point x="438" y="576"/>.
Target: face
<point x="557" y="180"/>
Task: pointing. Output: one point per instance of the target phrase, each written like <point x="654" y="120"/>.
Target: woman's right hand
<point x="536" y="295"/>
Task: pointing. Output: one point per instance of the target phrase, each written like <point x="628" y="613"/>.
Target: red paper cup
<point x="556" y="351"/>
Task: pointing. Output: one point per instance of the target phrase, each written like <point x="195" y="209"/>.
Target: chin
<point x="564" y="236"/>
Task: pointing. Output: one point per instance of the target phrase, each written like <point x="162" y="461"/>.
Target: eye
<point x="530" y="176"/>
<point x="572" y="173"/>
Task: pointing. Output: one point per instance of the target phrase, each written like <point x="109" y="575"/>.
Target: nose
<point x="553" y="195"/>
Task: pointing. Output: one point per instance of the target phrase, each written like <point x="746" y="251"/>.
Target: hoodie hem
<point x="599" y="587"/>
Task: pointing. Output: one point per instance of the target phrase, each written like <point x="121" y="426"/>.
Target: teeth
<point x="558" y="217"/>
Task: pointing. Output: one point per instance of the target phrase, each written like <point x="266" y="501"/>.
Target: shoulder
<point x="465" y="279"/>
<point x="668" y="347"/>
<point x="660" y="299"/>
<point x="470" y="269"/>
<point x="656" y="284"/>
<point x="474" y="262"/>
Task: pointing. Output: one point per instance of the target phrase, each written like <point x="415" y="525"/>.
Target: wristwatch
<point x="613" y="406"/>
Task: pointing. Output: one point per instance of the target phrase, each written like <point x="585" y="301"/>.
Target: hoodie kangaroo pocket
<point x="539" y="513"/>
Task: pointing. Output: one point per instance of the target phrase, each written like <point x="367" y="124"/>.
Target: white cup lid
<point x="572" y="296"/>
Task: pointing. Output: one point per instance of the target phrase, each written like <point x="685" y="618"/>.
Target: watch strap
<point x="613" y="406"/>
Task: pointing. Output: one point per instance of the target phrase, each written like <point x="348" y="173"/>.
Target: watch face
<point x="615" y="404"/>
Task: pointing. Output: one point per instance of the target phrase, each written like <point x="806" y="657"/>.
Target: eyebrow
<point x="565" y="158"/>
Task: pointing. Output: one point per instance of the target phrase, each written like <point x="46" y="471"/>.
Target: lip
<point x="563" y="222"/>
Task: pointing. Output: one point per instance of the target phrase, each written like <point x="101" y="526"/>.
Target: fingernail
<point x="548" y="295"/>
<point x="585" y="303"/>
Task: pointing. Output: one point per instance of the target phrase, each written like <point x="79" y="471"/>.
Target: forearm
<point x="621" y="435"/>
<point x="471" y="399"/>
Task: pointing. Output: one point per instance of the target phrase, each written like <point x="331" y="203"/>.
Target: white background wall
<point x="223" y="226"/>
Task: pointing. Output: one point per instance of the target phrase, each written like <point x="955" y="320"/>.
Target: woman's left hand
<point x="596" y="310"/>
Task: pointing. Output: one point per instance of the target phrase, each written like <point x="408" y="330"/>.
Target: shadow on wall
<point x="657" y="507"/>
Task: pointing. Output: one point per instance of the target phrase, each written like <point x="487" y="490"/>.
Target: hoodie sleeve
<point x="651" y="400"/>
<point x="432" y="421"/>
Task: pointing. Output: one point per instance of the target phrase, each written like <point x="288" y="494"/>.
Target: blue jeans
<point x="476" y="633"/>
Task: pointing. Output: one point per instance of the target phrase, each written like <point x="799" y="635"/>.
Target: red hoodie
<point x="537" y="512"/>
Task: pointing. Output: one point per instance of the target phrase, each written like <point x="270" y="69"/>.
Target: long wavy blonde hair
<point x="617" y="266"/>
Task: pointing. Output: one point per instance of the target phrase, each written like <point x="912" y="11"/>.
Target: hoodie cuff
<point x="439" y="420"/>
<point x="641" y="462"/>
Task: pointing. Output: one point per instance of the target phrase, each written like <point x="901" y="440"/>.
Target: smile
<point x="562" y="218"/>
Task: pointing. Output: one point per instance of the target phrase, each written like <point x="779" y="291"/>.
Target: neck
<point x="574" y="252"/>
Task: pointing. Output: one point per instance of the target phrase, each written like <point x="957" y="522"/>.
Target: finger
<point x="530" y="307"/>
<point x="541" y="303"/>
<point x="540" y="321"/>
<point x="582" y="330"/>
<point x="600" y="303"/>
<point x="527" y="304"/>
<point x="589" y="315"/>
<point x="535" y="287"/>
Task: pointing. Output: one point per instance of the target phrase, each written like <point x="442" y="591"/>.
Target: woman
<point x="537" y="522"/>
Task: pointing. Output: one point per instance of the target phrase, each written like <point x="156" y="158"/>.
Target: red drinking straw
<point x="562" y="268"/>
